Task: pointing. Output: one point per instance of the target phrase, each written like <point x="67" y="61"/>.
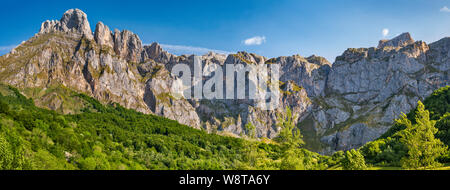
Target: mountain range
<point x="337" y="106"/>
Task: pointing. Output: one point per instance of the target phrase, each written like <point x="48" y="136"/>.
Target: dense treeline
<point x="112" y="137"/>
<point x="418" y="140"/>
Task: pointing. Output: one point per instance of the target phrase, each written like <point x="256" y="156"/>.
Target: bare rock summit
<point x="400" y="41"/>
<point x="73" y="21"/>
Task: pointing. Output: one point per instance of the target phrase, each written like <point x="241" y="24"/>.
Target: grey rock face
<point x="310" y="73"/>
<point x="354" y="137"/>
<point x="128" y="45"/>
<point x="156" y="53"/>
<point x="400" y="41"/>
<point x="159" y="99"/>
<point x="49" y="26"/>
<point x="73" y="21"/>
<point x="103" y="35"/>
<point x="153" y="51"/>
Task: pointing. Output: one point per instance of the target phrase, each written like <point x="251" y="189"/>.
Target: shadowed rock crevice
<point x="150" y="99"/>
<point x="89" y="79"/>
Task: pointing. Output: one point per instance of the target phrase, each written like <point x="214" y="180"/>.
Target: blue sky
<point x="267" y="27"/>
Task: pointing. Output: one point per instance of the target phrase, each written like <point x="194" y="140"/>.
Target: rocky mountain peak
<point x="73" y="20"/>
<point x="400" y="41"/>
<point x="318" y="60"/>
<point x="103" y="35"/>
<point x="76" y="20"/>
<point x="245" y="58"/>
<point x="215" y="56"/>
<point x="128" y="45"/>
<point x="49" y="26"/>
<point x="352" y="55"/>
<point x="153" y="50"/>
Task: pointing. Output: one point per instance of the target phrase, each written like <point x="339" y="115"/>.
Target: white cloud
<point x="181" y="49"/>
<point x="445" y="9"/>
<point x="385" y="32"/>
<point x="7" y="48"/>
<point x="257" y="40"/>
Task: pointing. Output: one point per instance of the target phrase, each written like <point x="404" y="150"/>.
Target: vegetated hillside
<point x="112" y="137"/>
<point x="419" y="140"/>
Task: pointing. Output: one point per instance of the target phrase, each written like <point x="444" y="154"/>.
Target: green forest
<point x="110" y="137"/>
